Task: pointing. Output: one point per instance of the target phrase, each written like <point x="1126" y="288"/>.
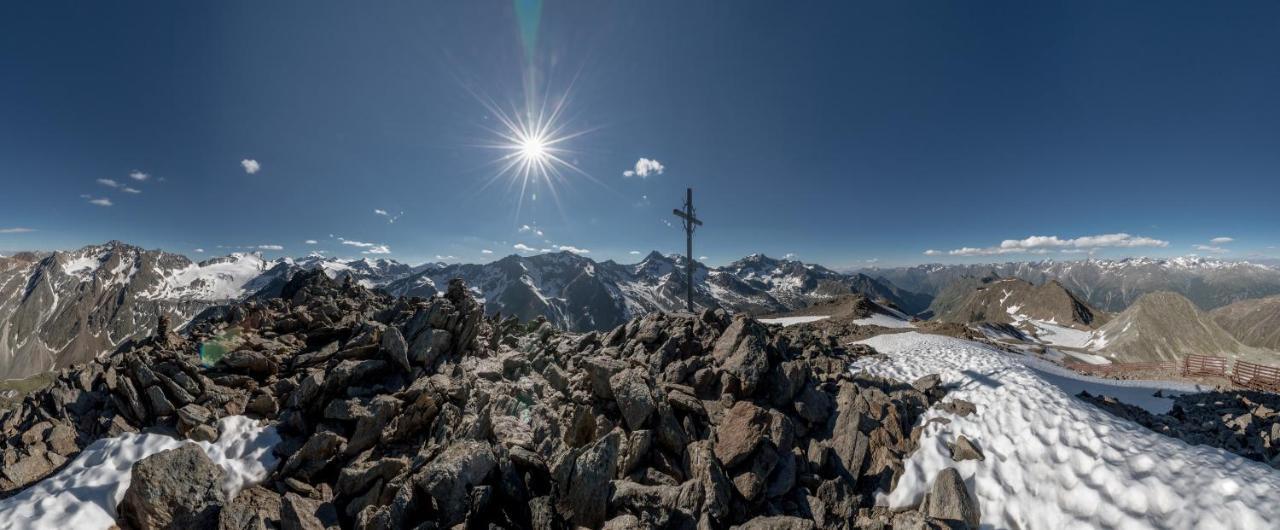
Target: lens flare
<point x="533" y="142"/>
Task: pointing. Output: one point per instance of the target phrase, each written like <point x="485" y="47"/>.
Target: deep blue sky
<point x="840" y="132"/>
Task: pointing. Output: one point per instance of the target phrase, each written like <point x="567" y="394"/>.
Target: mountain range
<point x="65" y="307"/>
<point x="62" y="308"/>
<point x="1109" y="285"/>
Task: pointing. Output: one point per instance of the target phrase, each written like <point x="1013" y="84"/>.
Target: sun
<point x="532" y="140"/>
<point x="533" y="148"/>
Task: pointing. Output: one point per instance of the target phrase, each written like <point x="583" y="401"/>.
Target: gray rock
<point x="965" y="449"/>
<point x="740" y="432"/>
<point x="776" y="522"/>
<point x="848" y="443"/>
<point x="588" y="494"/>
<point x="949" y="499"/>
<point x="394" y="345"/>
<point x="600" y="369"/>
<point x="749" y="363"/>
<point x="813" y="405"/>
<point x="448" y="479"/>
<point x="160" y="404"/>
<point x="314" y="455"/>
<point x="633" y="396"/>
<point x="178" y="489"/>
<point x="255" y="508"/>
<point x="251" y="362"/>
<point x="28" y="469"/>
<point x="300" y="513"/>
<point x="62" y="439"/>
<point x="959" y="407"/>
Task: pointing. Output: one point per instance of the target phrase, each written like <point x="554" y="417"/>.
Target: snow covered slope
<point x="1053" y="461"/>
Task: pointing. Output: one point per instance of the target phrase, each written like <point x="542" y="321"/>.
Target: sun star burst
<point x="533" y="144"/>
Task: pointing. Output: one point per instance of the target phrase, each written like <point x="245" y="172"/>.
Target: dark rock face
<point x="396" y="413"/>
<point x="177" y="489"/>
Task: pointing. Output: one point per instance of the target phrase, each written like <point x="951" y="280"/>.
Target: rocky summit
<point x="425" y="413"/>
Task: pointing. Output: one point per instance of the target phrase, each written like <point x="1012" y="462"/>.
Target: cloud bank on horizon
<point x="1047" y="244"/>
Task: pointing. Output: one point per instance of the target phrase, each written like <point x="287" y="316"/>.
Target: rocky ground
<point x="1244" y="422"/>
<point x="423" y="413"/>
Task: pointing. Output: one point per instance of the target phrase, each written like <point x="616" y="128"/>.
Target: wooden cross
<point x="690" y="222"/>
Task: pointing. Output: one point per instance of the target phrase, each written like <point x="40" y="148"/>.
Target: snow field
<point x="84" y="494"/>
<point x="882" y="320"/>
<point x="791" y="321"/>
<point x="1056" y="462"/>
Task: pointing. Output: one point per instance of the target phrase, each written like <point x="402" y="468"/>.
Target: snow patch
<point x="84" y="494"/>
<point x="791" y="321"/>
<point x="1055" y="461"/>
<point x="877" y="319"/>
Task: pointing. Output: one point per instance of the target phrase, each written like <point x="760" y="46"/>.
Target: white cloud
<point x="486" y="251"/>
<point x="380" y="211"/>
<point x="100" y="202"/>
<point x="521" y="247"/>
<point x="1045" y="244"/>
<point x="127" y="189"/>
<point x="634" y="253"/>
<point x="535" y="230"/>
<point x="1221" y="240"/>
<point x="873" y="260"/>
<point x="109" y="183"/>
<point x="199" y="251"/>
<point x="971" y="251"/>
<point x="645" y="167"/>
<point x="932" y="252"/>
<point x="251" y="166"/>
<point x="445" y="258"/>
<point x="569" y="248"/>
<point x="1211" y="249"/>
<point x="378" y="249"/>
<point x="140" y="176"/>
<point x="701" y="258"/>
<point x="789" y="255"/>
<point x="360" y="244"/>
<point x="16" y="230"/>
<point x="270" y="247"/>
<point x="311" y="242"/>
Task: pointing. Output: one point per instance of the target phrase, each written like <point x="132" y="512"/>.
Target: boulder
<point x="949" y="499"/>
<point x="633" y="396"/>
<point x="177" y="489"/>
<point x="449" y="478"/>
<point x="588" y="489"/>
<point x="255" y="508"/>
<point x="314" y="455"/>
<point x="965" y="449"/>
<point x="394" y="345"/>
<point x="300" y="513"/>
<point x="740" y="432"/>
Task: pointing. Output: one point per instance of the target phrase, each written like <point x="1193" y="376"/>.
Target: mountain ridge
<point x="65" y="307"/>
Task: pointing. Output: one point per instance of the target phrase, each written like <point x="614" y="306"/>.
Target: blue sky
<point x="844" y="133"/>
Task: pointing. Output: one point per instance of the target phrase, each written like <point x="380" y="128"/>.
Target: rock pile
<point x="1246" y="423"/>
<point x="401" y="413"/>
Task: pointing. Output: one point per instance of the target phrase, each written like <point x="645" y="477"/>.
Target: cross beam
<point x="690" y="222"/>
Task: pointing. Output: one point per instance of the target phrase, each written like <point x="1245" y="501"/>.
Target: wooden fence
<point x="1257" y="376"/>
<point x="1242" y="373"/>
<point x="1204" y="365"/>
